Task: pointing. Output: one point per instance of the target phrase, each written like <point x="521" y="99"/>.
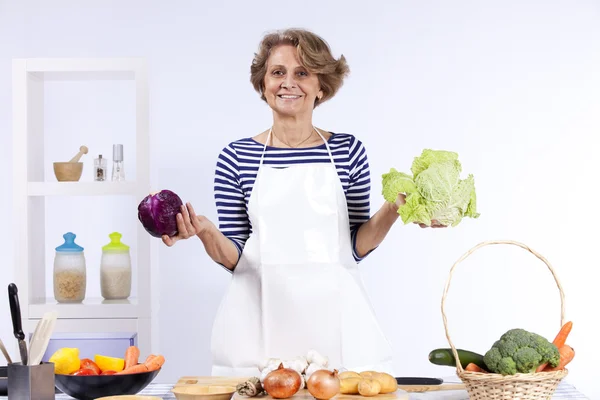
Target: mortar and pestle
<point x="70" y="171"/>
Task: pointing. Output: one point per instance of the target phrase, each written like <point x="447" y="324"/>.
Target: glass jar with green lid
<point x="115" y="269"/>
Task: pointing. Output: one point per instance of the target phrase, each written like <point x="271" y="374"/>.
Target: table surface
<point x="564" y="391"/>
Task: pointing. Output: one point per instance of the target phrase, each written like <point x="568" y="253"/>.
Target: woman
<point x="293" y="204"/>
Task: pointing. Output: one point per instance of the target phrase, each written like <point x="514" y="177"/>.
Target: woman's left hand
<point x="401" y="200"/>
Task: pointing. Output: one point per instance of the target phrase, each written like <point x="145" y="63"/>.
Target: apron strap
<point x="326" y="145"/>
<point x="264" y="150"/>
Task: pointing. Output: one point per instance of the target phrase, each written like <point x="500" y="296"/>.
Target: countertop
<point x="564" y="391"/>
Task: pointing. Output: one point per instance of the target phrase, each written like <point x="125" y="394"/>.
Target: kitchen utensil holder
<point x="31" y="382"/>
<point x="491" y="386"/>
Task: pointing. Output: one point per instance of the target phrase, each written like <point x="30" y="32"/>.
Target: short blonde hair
<point x="314" y="54"/>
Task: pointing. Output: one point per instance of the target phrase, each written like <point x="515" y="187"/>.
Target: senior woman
<point x="294" y="222"/>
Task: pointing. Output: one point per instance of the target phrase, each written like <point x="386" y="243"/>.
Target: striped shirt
<point x="238" y="164"/>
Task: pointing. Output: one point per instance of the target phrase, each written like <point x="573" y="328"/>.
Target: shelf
<point x="89" y="308"/>
<point x="35" y="189"/>
<point x="103" y="65"/>
<point x="82" y="188"/>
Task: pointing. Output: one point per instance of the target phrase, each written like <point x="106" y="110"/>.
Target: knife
<point x="421" y="384"/>
<point x="15" y="312"/>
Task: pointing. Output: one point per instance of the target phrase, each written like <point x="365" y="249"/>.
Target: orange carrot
<point x="155" y="363"/>
<point x="567" y="353"/>
<point x="474" y="368"/>
<point x="541" y="367"/>
<point x="561" y="337"/>
<point x="136" y="369"/>
<point x="149" y="358"/>
<point x="559" y="341"/>
<point x="132" y="354"/>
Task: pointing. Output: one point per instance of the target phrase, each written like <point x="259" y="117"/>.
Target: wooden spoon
<point x="8" y="360"/>
<point x="82" y="150"/>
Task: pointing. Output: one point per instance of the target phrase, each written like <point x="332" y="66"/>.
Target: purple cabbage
<point x="158" y="213"/>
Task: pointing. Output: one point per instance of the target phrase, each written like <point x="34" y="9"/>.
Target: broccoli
<point x="520" y="351"/>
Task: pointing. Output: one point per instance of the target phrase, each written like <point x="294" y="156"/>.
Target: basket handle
<point x="467" y="254"/>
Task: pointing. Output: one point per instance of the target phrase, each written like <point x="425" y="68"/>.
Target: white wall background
<point x="512" y="86"/>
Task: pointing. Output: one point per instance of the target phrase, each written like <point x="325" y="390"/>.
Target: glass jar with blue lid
<point x="69" y="271"/>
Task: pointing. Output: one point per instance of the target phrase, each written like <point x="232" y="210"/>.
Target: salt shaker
<point x="100" y="168"/>
<point x="69" y="271"/>
<point x="115" y="269"/>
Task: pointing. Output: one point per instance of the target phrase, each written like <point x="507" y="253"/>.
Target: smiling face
<point x="290" y="89"/>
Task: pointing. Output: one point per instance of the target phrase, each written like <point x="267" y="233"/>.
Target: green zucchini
<point x="445" y="357"/>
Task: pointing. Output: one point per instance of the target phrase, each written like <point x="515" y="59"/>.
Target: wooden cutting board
<point x="301" y="395"/>
<point x="210" y="380"/>
<point x="305" y="395"/>
<point x="233" y="381"/>
<point x="432" y="388"/>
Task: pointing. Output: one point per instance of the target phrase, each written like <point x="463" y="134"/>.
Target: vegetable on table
<point x="152" y="363"/>
<point x="387" y="382"/>
<point x="474" y="368"/>
<point x="134" y="369"/>
<point x="559" y="341"/>
<point x="520" y="351"/>
<point x="567" y="353"/>
<point x="86" y="363"/>
<point x="132" y="355"/>
<point x="349" y="385"/>
<point x="250" y="388"/>
<point x="434" y="190"/>
<point x="561" y="338"/>
<point x="348" y="374"/>
<point x="369" y="387"/>
<point x="158" y="213"/>
<point x="155" y="363"/>
<point x="445" y="357"/>
<point x="323" y="384"/>
<point x="84" y="372"/>
<point x="367" y="383"/>
<point x="282" y="383"/>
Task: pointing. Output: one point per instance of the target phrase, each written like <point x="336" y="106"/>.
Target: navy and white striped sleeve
<point x="229" y="198"/>
<point x="359" y="191"/>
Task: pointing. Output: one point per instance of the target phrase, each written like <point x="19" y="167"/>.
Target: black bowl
<point x="90" y="387"/>
<point x="3" y="381"/>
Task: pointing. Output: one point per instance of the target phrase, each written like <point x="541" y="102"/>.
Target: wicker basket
<point x="489" y="386"/>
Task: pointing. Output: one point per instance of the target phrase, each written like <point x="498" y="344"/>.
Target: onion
<point x="323" y="384"/>
<point x="282" y="383"/>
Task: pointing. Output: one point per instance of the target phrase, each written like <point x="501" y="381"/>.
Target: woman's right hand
<point x="188" y="225"/>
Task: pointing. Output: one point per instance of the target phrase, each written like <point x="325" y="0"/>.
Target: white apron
<point x="297" y="286"/>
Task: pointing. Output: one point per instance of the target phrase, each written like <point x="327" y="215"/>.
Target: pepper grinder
<point x="100" y="168"/>
<point x="118" y="173"/>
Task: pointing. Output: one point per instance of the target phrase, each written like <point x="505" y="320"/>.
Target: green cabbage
<point x="434" y="191"/>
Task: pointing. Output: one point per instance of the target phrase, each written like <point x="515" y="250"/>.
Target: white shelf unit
<point x="31" y="187"/>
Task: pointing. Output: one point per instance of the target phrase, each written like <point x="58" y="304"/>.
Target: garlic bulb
<point x="267" y="362"/>
<point x="313" y="357"/>
<point x="312" y="368"/>
<point x="252" y="387"/>
<point x="298" y="364"/>
<point x="268" y="369"/>
<point x="302" y="382"/>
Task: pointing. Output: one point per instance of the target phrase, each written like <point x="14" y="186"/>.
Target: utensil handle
<point x="82" y="150"/>
<point x="6" y="355"/>
<point x="15" y="311"/>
